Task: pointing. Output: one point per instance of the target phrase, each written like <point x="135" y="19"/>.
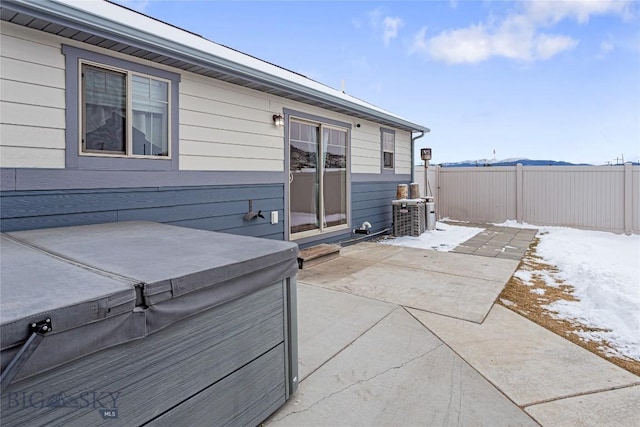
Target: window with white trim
<point x="388" y="142"/>
<point x="124" y="113"/>
<point x="119" y="155"/>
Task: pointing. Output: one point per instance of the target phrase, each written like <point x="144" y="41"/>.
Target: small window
<point x="388" y="149"/>
<point x="124" y="113"/>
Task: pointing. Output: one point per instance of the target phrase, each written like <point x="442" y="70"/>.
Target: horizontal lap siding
<point x="403" y="152"/>
<point x="32" y="123"/>
<point x="218" y="208"/>
<point x="365" y="148"/>
<point x="226" y="127"/>
<point x="371" y="202"/>
<point x="221" y="126"/>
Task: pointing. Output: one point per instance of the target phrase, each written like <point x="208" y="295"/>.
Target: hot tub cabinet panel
<point x="232" y="360"/>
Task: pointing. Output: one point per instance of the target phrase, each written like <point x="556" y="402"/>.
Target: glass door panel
<point x="304" y="181"/>
<point x="334" y="177"/>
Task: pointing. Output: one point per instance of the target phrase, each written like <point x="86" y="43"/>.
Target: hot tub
<point x="145" y="323"/>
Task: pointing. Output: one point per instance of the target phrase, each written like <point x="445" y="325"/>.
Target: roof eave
<point x="64" y="14"/>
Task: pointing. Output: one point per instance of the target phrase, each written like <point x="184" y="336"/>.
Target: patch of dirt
<point x="518" y="297"/>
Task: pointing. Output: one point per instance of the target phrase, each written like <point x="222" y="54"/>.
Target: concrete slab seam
<point x="395" y="305"/>
<point x="495" y="300"/>
<point x="351" y="342"/>
<point x="586" y="393"/>
<point x="392" y="368"/>
<point x="432" y="271"/>
<point x="444" y="315"/>
<point x="472" y="367"/>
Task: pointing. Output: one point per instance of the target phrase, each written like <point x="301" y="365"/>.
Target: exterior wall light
<point x="278" y="120"/>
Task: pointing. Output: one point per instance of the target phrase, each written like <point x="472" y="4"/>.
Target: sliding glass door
<point x="317" y="178"/>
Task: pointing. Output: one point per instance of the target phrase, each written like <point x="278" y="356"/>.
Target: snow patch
<point x="512" y="223"/>
<point x="604" y="271"/>
<point x="444" y="238"/>
<point x="525" y="276"/>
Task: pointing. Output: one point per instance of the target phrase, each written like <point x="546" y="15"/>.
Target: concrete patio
<point x="398" y="336"/>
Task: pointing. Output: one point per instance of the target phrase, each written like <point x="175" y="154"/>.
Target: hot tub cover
<point x="108" y="283"/>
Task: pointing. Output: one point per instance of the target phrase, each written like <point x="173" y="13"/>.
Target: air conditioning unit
<point x="409" y="218"/>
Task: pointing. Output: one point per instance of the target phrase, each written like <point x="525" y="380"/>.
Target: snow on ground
<point x="525" y="276"/>
<point x="604" y="270"/>
<point x="444" y="238"/>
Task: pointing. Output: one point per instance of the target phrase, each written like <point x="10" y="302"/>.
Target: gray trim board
<point x="27" y="179"/>
<point x="72" y="97"/>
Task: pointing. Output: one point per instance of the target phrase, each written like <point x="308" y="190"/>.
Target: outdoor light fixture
<point x="278" y="120"/>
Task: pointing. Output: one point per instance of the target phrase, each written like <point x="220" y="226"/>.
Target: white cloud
<point x="391" y="26"/>
<point x="478" y="43"/>
<point x="606" y="47"/>
<point x="375" y="18"/>
<point x="518" y="36"/>
<point x="580" y="10"/>
<point x="546" y="46"/>
<point x="385" y="27"/>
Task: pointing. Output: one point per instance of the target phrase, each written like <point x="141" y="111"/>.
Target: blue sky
<point x="542" y="80"/>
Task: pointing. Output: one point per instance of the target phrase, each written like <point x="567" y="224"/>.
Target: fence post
<point x="519" y="187"/>
<point x="628" y="198"/>
<point x="436" y="194"/>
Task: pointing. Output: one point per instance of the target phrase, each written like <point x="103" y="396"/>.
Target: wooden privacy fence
<point x="592" y="197"/>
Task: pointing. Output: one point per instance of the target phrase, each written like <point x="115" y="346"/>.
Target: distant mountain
<point x="509" y="162"/>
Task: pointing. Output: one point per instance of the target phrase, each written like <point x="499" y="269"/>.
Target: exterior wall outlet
<point x="274" y="217"/>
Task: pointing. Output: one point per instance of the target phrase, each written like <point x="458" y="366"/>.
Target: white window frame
<point x="383" y="168"/>
<point x="129" y="114"/>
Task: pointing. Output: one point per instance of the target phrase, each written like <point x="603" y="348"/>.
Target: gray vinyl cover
<point x="144" y="274"/>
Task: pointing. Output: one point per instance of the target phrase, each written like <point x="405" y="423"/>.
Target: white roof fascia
<point x="108" y="19"/>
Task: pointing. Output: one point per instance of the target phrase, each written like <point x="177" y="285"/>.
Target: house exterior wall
<point x="221" y="126"/>
<point x="227" y="140"/>
<point x="215" y="208"/>
<point x="32" y="85"/>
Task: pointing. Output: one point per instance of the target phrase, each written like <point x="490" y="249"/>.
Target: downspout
<point x="413" y="154"/>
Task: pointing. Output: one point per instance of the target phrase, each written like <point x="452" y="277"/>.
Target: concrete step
<point x="317" y="254"/>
